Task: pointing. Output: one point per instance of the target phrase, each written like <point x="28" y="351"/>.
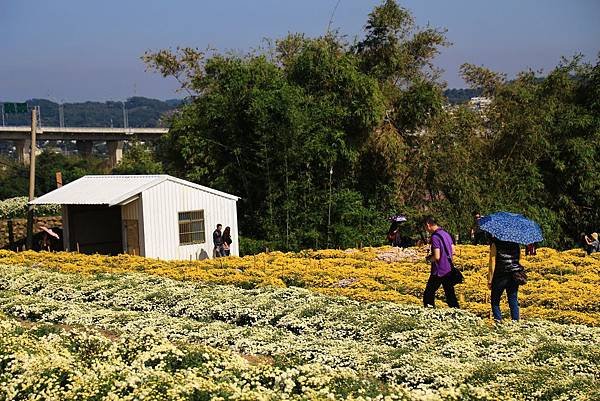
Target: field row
<point x="563" y="286"/>
<point x="355" y="349"/>
<point x="52" y="363"/>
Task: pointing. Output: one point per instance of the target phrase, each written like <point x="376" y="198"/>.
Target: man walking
<point x="442" y="250"/>
<point x="218" y="241"/>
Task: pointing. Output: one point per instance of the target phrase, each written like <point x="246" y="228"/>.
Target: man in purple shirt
<point x="442" y="250"/>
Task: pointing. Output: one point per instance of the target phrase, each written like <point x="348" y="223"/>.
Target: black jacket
<point x="217" y="238"/>
<point x="507" y="258"/>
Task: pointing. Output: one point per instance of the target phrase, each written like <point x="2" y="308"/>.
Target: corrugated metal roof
<point x="112" y="189"/>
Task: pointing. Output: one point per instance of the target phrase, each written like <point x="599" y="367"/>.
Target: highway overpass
<point x="84" y="137"/>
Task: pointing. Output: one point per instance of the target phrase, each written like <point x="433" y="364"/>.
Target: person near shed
<point x="227" y="241"/>
<point x="442" y="250"/>
<point x="504" y="260"/>
<point x="218" y="241"/>
<point x="591" y="243"/>
<point x="49" y="240"/>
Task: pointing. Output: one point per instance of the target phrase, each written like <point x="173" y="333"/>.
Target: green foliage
<point x="14" y="177"/>
<point x="287" y="131"/>
<point x="459" y="96"/>
<point x="481" y="78"/>
<point x="394" y="51"/>
<point x="272" y="141"/>
<point x="356" y="223"/>
<point x="418" y="105"/>
<point x="250" y="246"/>
<point x="324" y="139"/>
<point x="71" y="168"/>
<point x="545" y="147"/>
<point x="138" y="158"/>
<point x="16" y="208"/>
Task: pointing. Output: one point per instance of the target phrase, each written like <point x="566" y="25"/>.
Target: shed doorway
<point x="95" y="229"/>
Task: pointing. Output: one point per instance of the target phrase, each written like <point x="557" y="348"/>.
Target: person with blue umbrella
<point x="505" y="273"/>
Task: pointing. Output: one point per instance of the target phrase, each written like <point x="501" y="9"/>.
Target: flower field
<point x="563" y="286"/>
<point x="138" y="336"/>
<point x="314" y="325"/>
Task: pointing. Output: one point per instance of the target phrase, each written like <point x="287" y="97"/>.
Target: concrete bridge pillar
<point x="23" y="149"/>
<point x="84" y="147"/>
<point x="115" y="152"/>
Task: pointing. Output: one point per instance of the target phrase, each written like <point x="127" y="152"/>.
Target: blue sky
<point x="74" y="50"/>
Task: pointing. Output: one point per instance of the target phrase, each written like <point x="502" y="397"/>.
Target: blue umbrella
<point x="511" y="227"/>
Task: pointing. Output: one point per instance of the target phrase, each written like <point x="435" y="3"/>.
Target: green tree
<point x="322" y="139"/>
<point x="14" y="177"/>
<point x="543" y="142"/>
<point x="70" y="167"/>
<point x="300" y="132"/>
<point x="394" y="50"/>
<point x="272" y="135"/>
<point x="138" y="158"/>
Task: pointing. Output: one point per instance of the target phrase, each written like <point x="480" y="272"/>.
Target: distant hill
<point x="141" y="112"/>
<point x="458" y="96"/>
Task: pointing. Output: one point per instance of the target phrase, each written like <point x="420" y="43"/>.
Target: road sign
<point x="15" y="108"/>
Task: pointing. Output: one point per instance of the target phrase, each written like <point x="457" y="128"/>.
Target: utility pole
<point x="39" y="115"/>
<point x="125" y="116"/>
<point x="31" y="178"/>
<point x="59" y="179"/>
<point x="329" y="208"/>
<point x="61" y="115"/>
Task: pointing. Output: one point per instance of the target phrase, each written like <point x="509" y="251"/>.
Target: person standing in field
<point x="218" y="241"/>
<point x="442" y="250"/>
<point x="504" y="261"/>
<point x="227" y="241"/>
<point x="478" y="236"/>
<point x="591" y="243"/>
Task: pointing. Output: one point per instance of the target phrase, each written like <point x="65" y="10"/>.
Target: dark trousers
<point x="432" y="286"/>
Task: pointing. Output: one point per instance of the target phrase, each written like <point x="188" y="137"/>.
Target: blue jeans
<point x="498" y="286"/>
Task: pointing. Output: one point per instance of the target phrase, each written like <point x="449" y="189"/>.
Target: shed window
<point x="191" y="227"/>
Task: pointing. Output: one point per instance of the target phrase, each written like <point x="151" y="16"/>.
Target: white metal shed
<point x="157" y="216"/>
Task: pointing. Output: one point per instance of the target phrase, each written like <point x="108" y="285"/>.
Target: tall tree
<point x="322" y="139"/>
<point x="543" y="143"/>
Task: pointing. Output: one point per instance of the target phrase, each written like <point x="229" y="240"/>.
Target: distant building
<point x="479" y="103"/>
<point x="157" y="216"/>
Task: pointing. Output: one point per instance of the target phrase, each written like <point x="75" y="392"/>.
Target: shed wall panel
<point x="161" y="206"/>
<point x="130" y="210"/>
<point x="141" y="226"/>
